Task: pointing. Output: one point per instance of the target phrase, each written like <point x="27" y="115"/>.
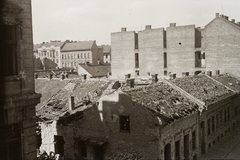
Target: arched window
<point x="88" y="55"/>
<point x="81" y="55"/>
<point x="78" y="56"/>
<point x="56" y="53"/>
<point x="85" y="55"/>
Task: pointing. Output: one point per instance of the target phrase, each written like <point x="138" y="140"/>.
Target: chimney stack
<point x="124" y="29"/>
<point x="154" y="78"/>
<point x="217" y="72"/>
<point x="148" y="27"/>
<point x="172" y="24"/>
<point x="233" y="20"/>
<point x="71" y="103"/>
<point x="209" y="73"/>
<point x="130" y="82"/>
<point x="226" y="17"/>
<point x="217" y="15"/>
<point x="127" y="76"/>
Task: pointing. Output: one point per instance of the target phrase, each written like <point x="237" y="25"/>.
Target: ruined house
<point x="180" y="118"/>
<point x="18" y="97"/>
<point x="176" y="49"/>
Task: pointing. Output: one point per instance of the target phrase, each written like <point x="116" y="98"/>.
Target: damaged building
<point x="176" y="49"/>
<point x="180" y="118"/>
<point x="18" y="97"/>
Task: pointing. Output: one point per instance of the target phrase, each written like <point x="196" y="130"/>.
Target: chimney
<point x="154" y="78"/>
<point x="233" y="20"/>
<point x="209" y="73"/>
<point x="148" y="27"/>
<point x="217" y="72"/>
<point x="184" y="74"/>
<point x="127" y="76"/>
<point x="84" y="76"/>
<point x="71" y="103"/>
<point x="172" y="24"/>
<point x="217" y="15"/>
<point x="124" y="29"/>
<point x="174" y="75"/>
<point x="226" y="17"/>
<point x="130" y="83"/>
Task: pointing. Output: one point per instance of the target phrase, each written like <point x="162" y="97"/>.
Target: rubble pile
<point x="165" y="100"/>
<point x="203" y="88"/>
<point x="54" y="103"/>
<point x="127" y="156"/>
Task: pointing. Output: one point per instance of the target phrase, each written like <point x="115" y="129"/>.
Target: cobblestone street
<point x="228" y="148"/>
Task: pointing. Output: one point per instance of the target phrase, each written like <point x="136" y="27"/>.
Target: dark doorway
<point x="186" y="147"/>
<point x="98" y="153"/>
<point x="14" y="150"/>
<point x="59" y="145"/>
<point x="177" y="150"/>
<point x="202" y="136"/>
<point x="167" y="152"/>
<point x="82" y="149"/>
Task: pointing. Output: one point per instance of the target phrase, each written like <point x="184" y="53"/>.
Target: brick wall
<point x="220" y="44"/>
<point x="122" y="50"/>
<point x="151" y="48"/>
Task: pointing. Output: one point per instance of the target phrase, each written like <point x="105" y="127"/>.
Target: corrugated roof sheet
<point x="96" y="70"/>
<point x="78" y="46"/>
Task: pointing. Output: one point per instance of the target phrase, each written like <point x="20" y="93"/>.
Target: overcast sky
<point x="83" y="20"/>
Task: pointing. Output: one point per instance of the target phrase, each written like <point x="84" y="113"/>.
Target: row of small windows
<point x="74" y="56"/>
<point x="177" y="148"/>
<point x="48" y="54"/>
<point x="72" y="64"/>
<point x="222" y="117"/>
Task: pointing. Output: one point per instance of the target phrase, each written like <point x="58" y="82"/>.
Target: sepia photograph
<point x="120" y="80"/>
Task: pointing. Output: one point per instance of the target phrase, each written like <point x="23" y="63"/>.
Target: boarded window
<point x="125" y="123"/>
<point x="9" y="50"/>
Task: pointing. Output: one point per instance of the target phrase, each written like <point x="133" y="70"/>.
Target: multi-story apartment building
<point x="106" y="53"/>
<point x="18" y="98"/>
<point x="177" y="49"/>
<point x="50" y="51"/>
<point x="73" y="53"/>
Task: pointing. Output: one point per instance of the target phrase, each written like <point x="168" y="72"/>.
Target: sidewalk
<point x="227" y="148"/>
